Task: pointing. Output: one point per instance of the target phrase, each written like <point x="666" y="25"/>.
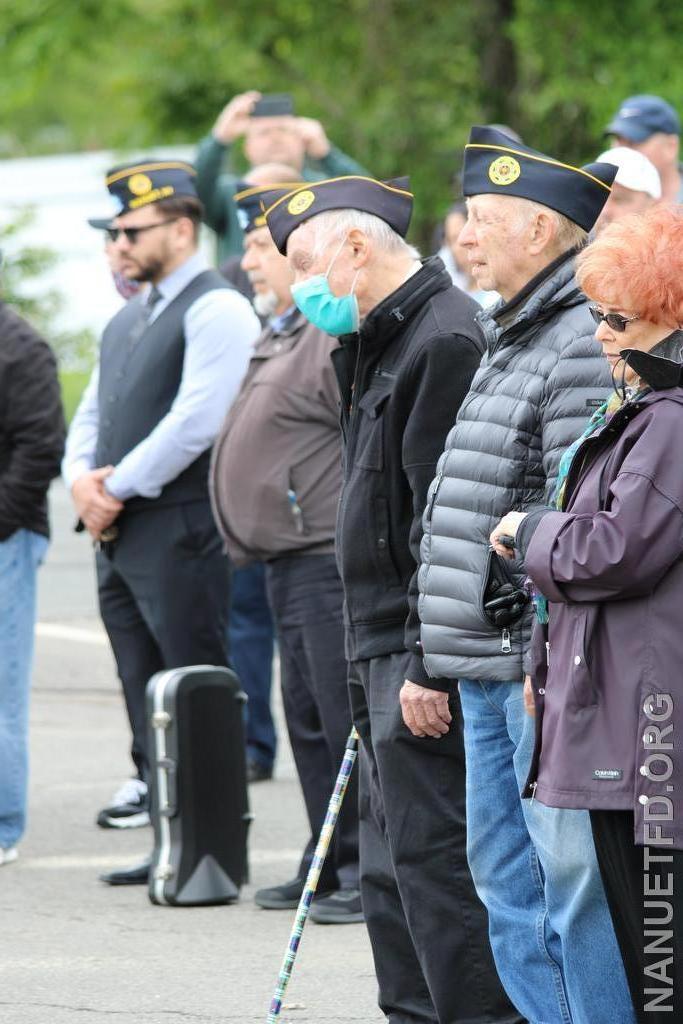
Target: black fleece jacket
<point x="31" y="425"/>
<point x="402" y="379"/>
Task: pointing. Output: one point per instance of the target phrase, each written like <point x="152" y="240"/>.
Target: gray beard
<point x="265" y="303"/>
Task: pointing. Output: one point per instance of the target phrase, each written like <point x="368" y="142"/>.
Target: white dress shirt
<point x="220" y="330"/>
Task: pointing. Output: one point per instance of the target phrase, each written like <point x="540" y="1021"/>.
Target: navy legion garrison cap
<point x="494" y="164"/>
<point x="391" y="201"/>
<point x="149" y="181"/>
<point x="252" y="200"/>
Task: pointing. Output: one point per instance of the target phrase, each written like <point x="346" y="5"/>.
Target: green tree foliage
<point x="396" y="83"/>
<point x="21" y="275"/>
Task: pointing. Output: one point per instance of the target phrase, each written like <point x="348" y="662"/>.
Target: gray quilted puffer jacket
<point x="540" y="379"/>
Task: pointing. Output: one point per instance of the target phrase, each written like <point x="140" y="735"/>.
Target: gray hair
<point x="568" y="235"/>
<point x="333" y="225"/>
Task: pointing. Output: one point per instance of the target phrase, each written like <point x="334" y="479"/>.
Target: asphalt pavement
<point x="74" y="951"/>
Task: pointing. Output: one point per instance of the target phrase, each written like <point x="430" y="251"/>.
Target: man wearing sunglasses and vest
<point x="138" y="451"/>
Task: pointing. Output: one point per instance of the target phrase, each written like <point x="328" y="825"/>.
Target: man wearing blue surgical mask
<point x="334" y="314"/>
<point x="275" y="480"/>
<point x="408" y="350"/>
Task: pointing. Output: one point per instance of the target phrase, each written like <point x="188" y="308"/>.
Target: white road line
<point x="75" y="634"/>
<point x="60" y="862"/>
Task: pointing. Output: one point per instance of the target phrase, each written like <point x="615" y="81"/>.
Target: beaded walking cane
<point x="313" y="876"/>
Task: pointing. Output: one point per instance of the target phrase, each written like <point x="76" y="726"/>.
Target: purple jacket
<point x="609" y="688"/>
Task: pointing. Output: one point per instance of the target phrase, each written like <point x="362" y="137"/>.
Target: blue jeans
<point x="535" y="870"/>
<point x="251" y="642"/>
<point x="20" y="556"/>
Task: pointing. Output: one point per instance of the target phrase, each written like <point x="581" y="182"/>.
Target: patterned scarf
<point x="597" y="421"/>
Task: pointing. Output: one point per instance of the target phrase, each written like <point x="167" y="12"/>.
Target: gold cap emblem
<point x="300" y="202"/>
<point x="504" y="170"/>
<point x="139" y="184"/>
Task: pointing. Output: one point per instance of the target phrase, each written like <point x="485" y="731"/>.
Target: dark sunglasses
<point x="132" y="233"/>
<point x="615" y="321"/>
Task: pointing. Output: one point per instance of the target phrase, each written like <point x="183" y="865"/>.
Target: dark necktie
<point x="142" y="322"/>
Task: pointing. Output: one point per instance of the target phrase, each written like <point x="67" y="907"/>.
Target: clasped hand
<point x="95" y="507"/>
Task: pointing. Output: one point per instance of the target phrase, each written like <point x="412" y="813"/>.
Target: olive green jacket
<point x="216" y="190"/>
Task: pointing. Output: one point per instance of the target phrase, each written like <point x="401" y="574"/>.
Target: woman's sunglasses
<point x="132" y="233"/>
<point x="615" y="321"/>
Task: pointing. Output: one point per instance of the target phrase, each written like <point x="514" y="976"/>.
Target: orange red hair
<point x="636" y="266"/>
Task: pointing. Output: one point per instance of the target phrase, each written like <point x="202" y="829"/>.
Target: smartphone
<point x="276" y="104"/>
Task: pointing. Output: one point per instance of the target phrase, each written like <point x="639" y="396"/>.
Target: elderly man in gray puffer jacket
<point x="540" y="378"/>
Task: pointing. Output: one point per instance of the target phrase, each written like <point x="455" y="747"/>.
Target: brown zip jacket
<point x="276" y="466"/>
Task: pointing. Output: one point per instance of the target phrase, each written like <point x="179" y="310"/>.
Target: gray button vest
<point x="138" y="383"/>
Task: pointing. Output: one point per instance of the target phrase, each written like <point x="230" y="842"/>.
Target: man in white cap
<point x="636" y="187"/>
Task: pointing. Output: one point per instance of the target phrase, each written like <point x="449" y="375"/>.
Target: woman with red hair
<point x="605" y="570"/>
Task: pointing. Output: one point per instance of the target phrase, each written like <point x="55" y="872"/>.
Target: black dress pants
<point x="428" y="928"/>
<point x="645" y="897"/>
<point x="164" y="595"/>
<point x="306" y="598"/>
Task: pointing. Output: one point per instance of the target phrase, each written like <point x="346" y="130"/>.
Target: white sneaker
<point x="8" y="855"/>
<point x="129" y="807"/>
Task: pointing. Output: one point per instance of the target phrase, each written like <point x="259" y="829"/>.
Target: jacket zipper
<point x="354" y="382"/>
<point x="435" y="495"/>
<point x="353" y="427"/>
<point x="533" y="790"/>
<point x="506" y="645"/>
<point x="547" y="653"/>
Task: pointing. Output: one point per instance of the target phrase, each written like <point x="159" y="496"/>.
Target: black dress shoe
<point x="257" y="772"/>
<point x="137" y="875"/>
<point x="280" y="897"/>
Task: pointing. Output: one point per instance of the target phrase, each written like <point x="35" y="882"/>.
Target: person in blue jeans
<point x="251" y="650"/>
<point x="31" y="446"/>
<point x="536" y="870"/>
<point x="20" y="557"/>
<point x="541" y="376"/>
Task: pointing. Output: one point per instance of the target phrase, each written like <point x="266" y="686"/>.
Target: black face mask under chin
<point x="621" y="389"/>
<point x="658" y="372"/>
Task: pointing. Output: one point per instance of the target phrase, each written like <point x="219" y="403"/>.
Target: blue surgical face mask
<point x="331" y="313"/>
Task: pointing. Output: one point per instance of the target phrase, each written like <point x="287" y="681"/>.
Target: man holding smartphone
<point x="272" y="134"/>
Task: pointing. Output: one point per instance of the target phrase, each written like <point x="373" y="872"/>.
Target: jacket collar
<point x="505" y="313"/>
<point x="272" y="341"/>
<point x="391" y="316"/>
<point x="553" y="289"/>
<point x="289" y="323"/>
<point x="630" y="409"/>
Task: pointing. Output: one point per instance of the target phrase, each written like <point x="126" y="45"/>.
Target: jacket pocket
<point x="294" y="501"/>
<point x="498" y="584"/>
<point x="582" y="684"/>
<point x="370" y="451"/>
<point x="196" y="529"/>
<point x="385" y="560"/>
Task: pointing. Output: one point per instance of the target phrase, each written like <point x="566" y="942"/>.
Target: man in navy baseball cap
<point x="652" y="126"/>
